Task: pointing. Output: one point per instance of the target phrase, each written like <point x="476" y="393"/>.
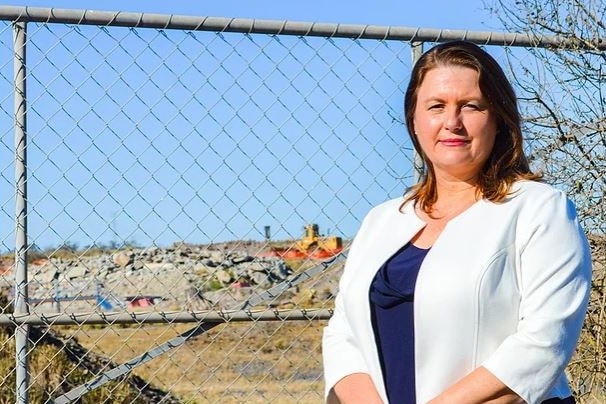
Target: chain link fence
<point x="185" y="192"/>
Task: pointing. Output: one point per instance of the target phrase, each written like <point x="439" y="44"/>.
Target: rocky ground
<point x="180" y="277"/>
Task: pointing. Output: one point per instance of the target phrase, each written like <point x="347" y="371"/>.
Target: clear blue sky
<point x="469" y="14"/>
<point x="142" y="137"/>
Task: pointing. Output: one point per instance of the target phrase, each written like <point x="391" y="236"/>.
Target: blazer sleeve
<point x="341" y="352"/>
<point x="554" y="276"/>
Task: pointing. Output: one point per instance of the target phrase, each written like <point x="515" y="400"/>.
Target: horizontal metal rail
<point x="207" y="316"/>
<point x="274" y="27"/>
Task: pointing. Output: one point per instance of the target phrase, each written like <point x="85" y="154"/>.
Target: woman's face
<point x="453" y="122"/>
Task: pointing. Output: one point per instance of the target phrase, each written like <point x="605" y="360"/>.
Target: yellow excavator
<point x="313" y="240"/>
<point x="311" y="245"/>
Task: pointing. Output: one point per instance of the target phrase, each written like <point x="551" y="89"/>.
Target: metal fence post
<point x="21" y="294"/>
<point x="417" y="51"/>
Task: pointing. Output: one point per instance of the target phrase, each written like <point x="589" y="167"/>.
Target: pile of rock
<point x="176" y="278"/>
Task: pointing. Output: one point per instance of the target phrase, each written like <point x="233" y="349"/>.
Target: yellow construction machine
<point x="313" y="240"/>
<point x="311" y="245"/>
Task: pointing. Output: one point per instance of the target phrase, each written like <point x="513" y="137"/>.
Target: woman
<point x="472" y="288"/>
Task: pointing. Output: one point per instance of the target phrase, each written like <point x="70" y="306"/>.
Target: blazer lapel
<point x="390" y="232"/>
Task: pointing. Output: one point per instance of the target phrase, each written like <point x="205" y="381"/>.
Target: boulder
<point x="122" y="259"/>
<point x="224" y="276"/>
<point x="76" y="272"/>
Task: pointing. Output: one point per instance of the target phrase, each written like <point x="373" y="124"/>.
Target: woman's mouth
<point x="454" y="142"/>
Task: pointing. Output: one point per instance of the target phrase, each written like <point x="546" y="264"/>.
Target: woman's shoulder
<point x="537" y="201"/>
<point x="386" y="211"/>
<point x="535" y="190"/>
<point x="390" y="206"/>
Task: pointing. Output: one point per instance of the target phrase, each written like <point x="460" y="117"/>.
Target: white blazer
<point x="505" y="286"/>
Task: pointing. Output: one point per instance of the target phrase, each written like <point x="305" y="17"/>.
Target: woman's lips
<point x="454" y="142"/>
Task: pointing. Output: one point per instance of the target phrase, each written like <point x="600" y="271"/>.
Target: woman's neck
<point x="453" y="197"/>
<point x="455" y="188"/>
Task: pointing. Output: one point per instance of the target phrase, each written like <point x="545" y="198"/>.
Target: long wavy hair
<point x="507" y="162"/>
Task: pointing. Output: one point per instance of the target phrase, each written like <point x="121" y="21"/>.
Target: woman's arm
<point x="345" y="371"/>
<point x="480" y="386"/>
<point x="554" y="282"/>
<point x="356" y="388"/>
<point x="347" y="374"/>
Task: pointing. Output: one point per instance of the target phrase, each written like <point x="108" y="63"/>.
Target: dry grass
<point x="52" y="373"/>
<point x="241" y="362"/>
<point x="587" y="370"/>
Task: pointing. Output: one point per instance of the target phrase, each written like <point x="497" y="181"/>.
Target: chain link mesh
<point x="174" y="171"/>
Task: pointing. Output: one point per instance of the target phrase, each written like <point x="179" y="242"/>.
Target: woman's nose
<point x="453" y="121"/>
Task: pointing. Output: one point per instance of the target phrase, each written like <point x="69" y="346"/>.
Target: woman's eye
<point x="436" y="106"/>
<point x="471" y="106"/>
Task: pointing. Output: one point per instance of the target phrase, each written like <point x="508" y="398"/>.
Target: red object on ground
<point x="294" y="254"/>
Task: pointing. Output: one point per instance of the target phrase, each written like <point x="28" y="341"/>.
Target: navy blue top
<point x="391" y="307"/>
